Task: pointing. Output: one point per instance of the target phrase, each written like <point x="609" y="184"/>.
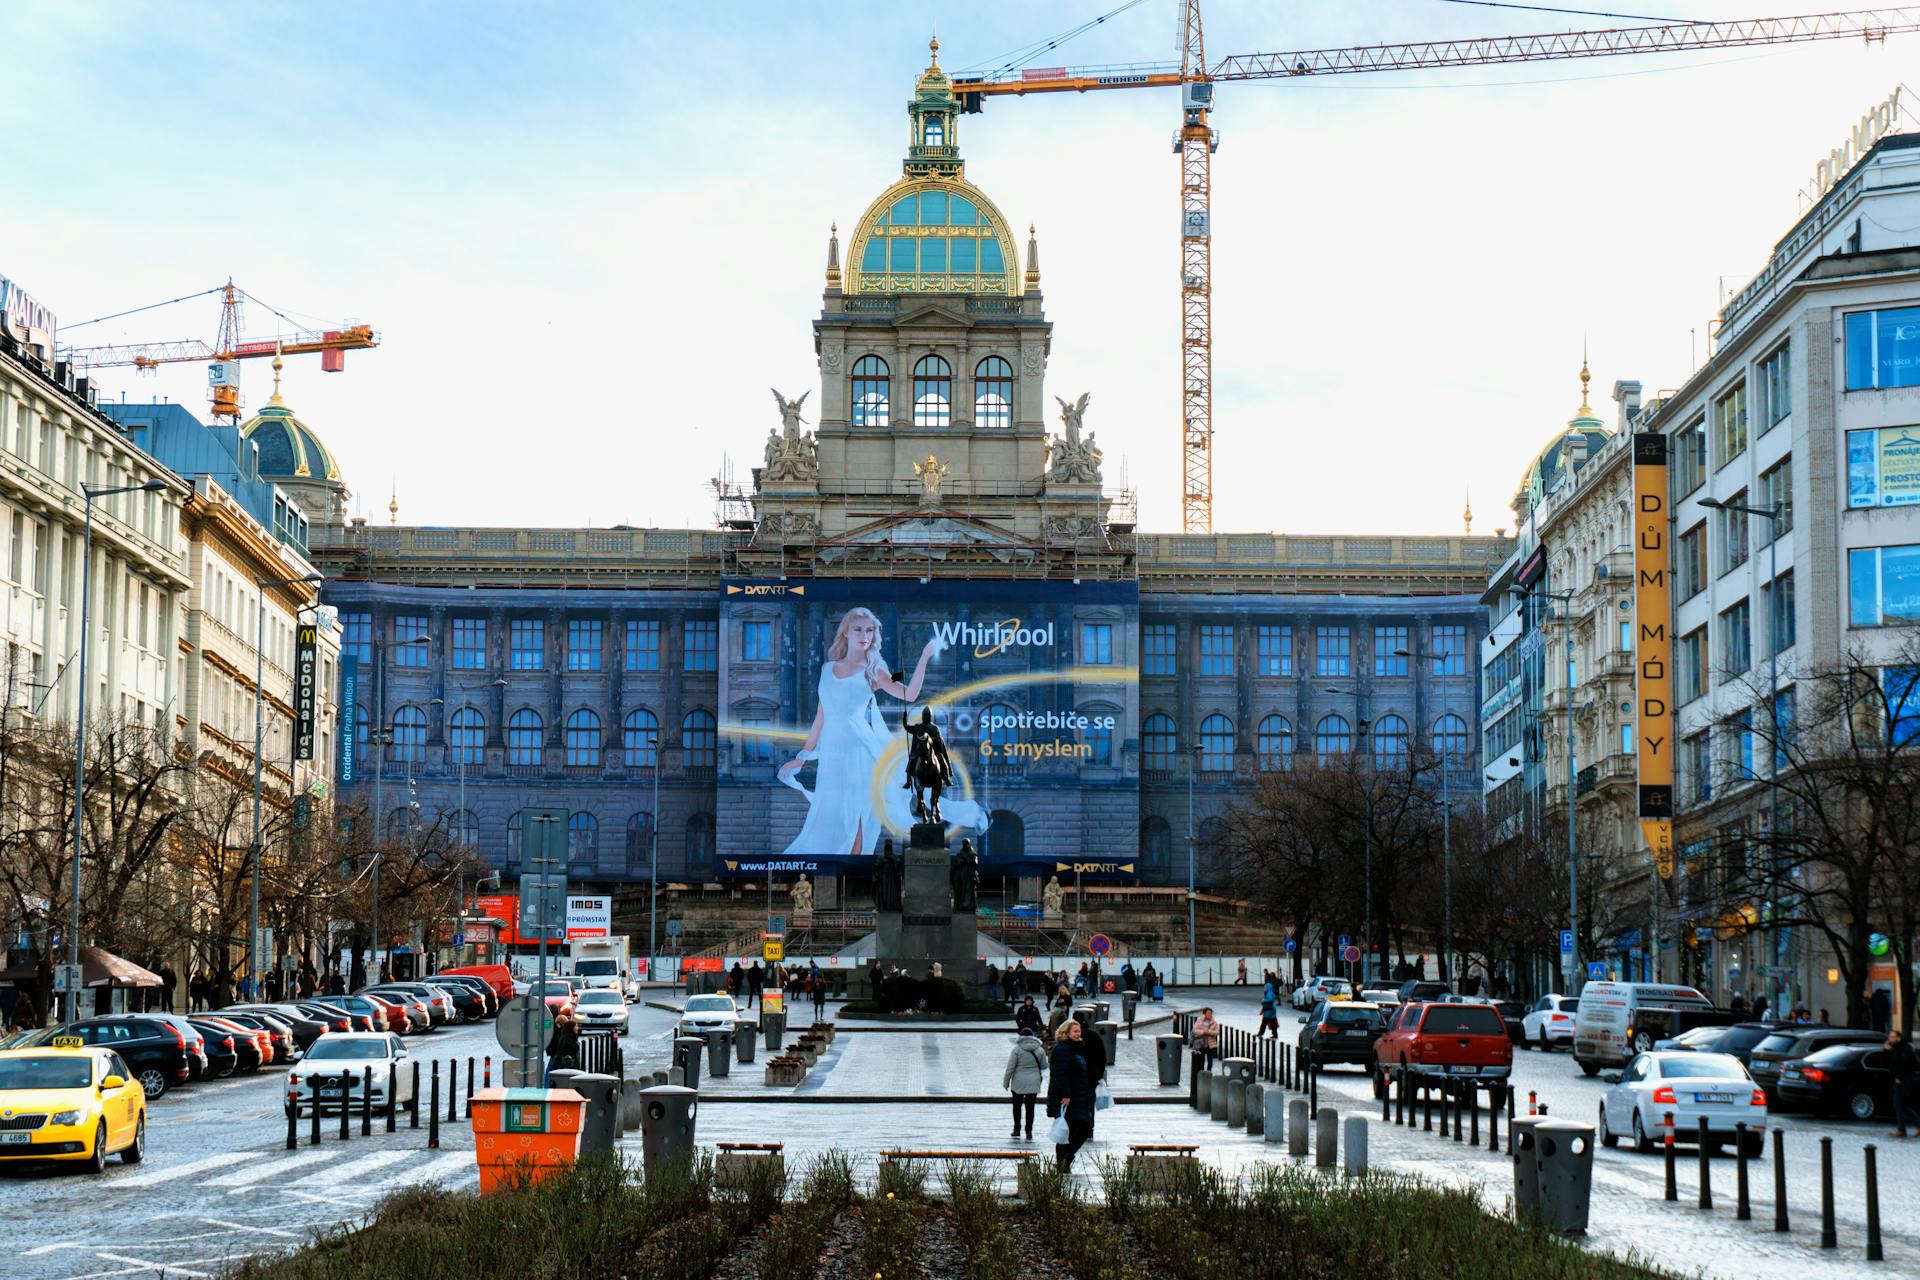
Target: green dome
<point x="288" y="447"/>
<point x="1546" y="472"/>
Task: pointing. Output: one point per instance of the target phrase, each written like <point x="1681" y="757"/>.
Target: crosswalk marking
<point x="157" y="1176"/>
<point x="436" y="1170"/>
<point x="271" y="1166"/>
<point x="352" y="1169"/>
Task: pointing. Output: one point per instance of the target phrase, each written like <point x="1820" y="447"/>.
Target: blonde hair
<point x="876" y="670"/>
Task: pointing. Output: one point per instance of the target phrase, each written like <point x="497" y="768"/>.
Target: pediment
<point x="930" y="535"/>
<point x="932" y="313"/>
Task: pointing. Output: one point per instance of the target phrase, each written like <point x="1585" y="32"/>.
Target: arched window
<point x="1274" y="743"/>
<point x="1156" y="844"/>
<point x="466" y="733"/>
<point x="1390" y="742"/>
<point x="870" y="384"/>
<point x="1332" y="737"/>
<point x="1450" y="740"/>
<point x="525" y="734"/>
<point x="1216" y="744"/>
<point x="513" y="843"/>
<point x="993" y="393"/>
<point x="409" y="734"/>
<point x="699" y="847"/>
<point x="932" y="392"/>
<point x="583" y="838"/>
<point x="935" y="132"/>
<point x="1006" y="835"/>
<point x="640" y="844"/>
<point x="1210" y="852"/>
<point x="999" y="727"/>
<point x="583" y="740"/>
<point x="697" y="740"/>
<point x="1157" y="742"/>
<point x="463" y="829"/>
<point x="640" y="735"/>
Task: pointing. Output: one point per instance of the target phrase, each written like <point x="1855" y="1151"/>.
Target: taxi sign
<point x="773" y="950"/>
<point x="69" y="1042"/>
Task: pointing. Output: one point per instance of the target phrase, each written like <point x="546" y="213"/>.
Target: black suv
<point x="154" y="1049"/>
<point x="1340" y="1032"/>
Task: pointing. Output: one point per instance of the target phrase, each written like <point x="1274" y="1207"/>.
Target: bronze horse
<point x="929" y="770"/>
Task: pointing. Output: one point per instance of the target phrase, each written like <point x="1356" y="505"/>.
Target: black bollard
<point x="1473" y="1106"/>
<point x="469" y="1086"/>
<point x="1706" y="1169"/>
<point x="313" y="1135"/>
<point x="413" y="1111"/>
<point x="1425" y="1095"/>
<point x="1386" y="1106"/>
<point x="1743" y="1210"/>
<point x="433" y="1109"/>
<point x="1313" y="1093"/>
<point x="1779" y="1180"/>
<point x="1829" y="1238"/>
<point x="346" y="1104"/>
<point x="1874" y="1252"/>
<point x="1493" y="1124"/>
<point x="453" y="1089"/>
<point x="1193" y="1081"/>
<point x="293" y="1124"/>
<point x="366" y="1102"/>
<point x="1446" y="1102"/>
<point x="1673" y="1184"/>
<point x="1400" y="1096"/>
<point x="1462" y="1098"/>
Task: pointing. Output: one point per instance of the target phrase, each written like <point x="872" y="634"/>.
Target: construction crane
<point x="226" y="348"/>
<point x="1196" y="140"/>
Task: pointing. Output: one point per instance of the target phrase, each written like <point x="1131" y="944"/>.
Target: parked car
<point x="1788" y="1043"/>
<point x="423" y="1014"/>
<point x="605" y="1007"/>
<point x="702" y="1014"/>
<point x="338" y="1018"/>
<point x="1457" y="1043"/>
<point x="153" y="1048"/>
<point x="390" y="1013"/>
<point x="1739" y="1039"/>
<point x="1842" y="1079"/>
<point x="306" y="1028"/>
<point x="1421" y="989"/>
<point x="1325" y="987"/>
<point x="1513" y="1013"/>
<point x="489" y="1002"/>
<point x="1549" y="1021"/>
<point x="285" y="1049"/>
<point x="66" y="1102"/>
<point x="1341" y="1031"/>
<point x="358" y="1058"/>
<point x="1616" y="1020"/>
<point x="497" y="976"/>
<point x="223" y="1059"/>
<point x="196" y="1049"/>
<point x="1385" y="997"/>
<point x="555" y="992"/>
<point x="468" y="1005"/>
<point x="251" y="1047"/>
<point x="1689" y="1087"/>
<point x="1698" y="1040"/>
<point x="439" y="1004"/>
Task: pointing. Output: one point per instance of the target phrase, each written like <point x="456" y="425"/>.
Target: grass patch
<point x="980" y="1221"/>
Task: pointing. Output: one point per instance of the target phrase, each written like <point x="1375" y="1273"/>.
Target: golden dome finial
<point x="1033" y="258"/>
<point x="393" y="505"/>
<point x="833" y="257"/>
<point x="933" y="49"/>
<point x="1467" y="515"/>
<point x="1586" y="376"/>
<point x="278" y="364"/>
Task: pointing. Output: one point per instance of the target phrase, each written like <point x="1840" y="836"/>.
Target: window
<point x="1740" y="747"/>
<point x="1332" y="737"/>
<point x="1157" y="742"/>
<point x="356" y="630"/>
<point x="1883" y="467"/>
<point x="1450" y="739"/>
<point x="1780" y="620"/>
<point x="1626" y="739"/>
<point x="362" y="722"/>
<point x="933" y="132"/>
<point x="1696" y="767"/>
<point x="701" y="638"/>
<point x="1776" y="389"/>
<point x="640" y="835"/>
<point x="1691" y="664"/>
<point x="697" y="739"/>
<point x="408" y="631"/>
<point x="16" y="554"/>
<point x="1736" y="638"/>
<point x="1386" y="640"/>
<point x="1783" y="715"/>
<point x="643" y="644"/>
<point x="1390" y="743"/>
<point x="1157" y="649"/>
<point x="1216" y="651"/>
<point x="466" y="733"/>
<point x="1900" y="685"/>
<point x="525" y="734"/>
<point x="583" y="644"/>
<point x="1216" y="744"/>
<point x="756" y="641"/>
<point x="1730" y="426"/>
<point x="1156" y="844"/>
<point x="932" y="392"/>
<point x="1690" y="562"/>
<point x="463" y="829"/>
<point x="1626" y="636"/>
<point x="528" y="644"/>
<point x="870" y="379"/>
<point x="1690" y="457"/>
<point x="993" y="393"/>
<point x="1276" y="650"/>
<point x="999" y="729"/>
<point x="1883" y="586"/>
<point x="409" y="734"/>
<point x="756" y="746"/>
<point x="1331" y="651"/>
<point x="1883" y="349"/>
<point x="1450" y="651"/>
<point x="583" y="837"/>
<point x="469" y="644"/>
<point x="583" y="740"/>
<point x="1099" y="741"/>
<point x="1096" y="643"/>
<point x="640" y="736"/>
<point x="699" y="845"/>
<point x="1732" y="534"/>
<point x="1273" y="744"/>
<point x="1776" y="491"/>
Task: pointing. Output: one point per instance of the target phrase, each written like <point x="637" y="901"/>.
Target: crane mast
<point x="1195" y="143"/>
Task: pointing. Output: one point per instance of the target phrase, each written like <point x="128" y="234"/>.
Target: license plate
<point x="13" y="1139"/>
<point x="1718" y="1099"/>
<point x="1354" y="1033"/>
<point x="1463" y="1071"/>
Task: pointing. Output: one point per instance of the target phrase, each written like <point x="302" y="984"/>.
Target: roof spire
<point x="278" y="364"/>
<point x="1467" y="515"/>
<point x="1033" y="258"/>
<point x="933" y="49"/>
<point x="833" y="257"/>
<point x="1586" y="376"/>
<point x="393" y="506"/>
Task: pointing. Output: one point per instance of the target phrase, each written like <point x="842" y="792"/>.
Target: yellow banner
<point x="1653" y="646"/>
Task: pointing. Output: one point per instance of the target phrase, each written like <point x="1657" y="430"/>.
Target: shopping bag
<point x="1057" y="1131"/>
<point x="1102" y="1096"/>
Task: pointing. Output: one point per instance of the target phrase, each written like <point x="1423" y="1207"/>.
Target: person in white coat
<point x="1025" y="1075"/>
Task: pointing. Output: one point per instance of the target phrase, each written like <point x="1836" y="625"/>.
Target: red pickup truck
<point x="1462" y="1043"/>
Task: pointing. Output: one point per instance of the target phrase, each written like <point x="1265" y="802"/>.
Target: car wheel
<point x="1754" y="1145"/>
<point x="1379" y="1082"/>
<point x="1641" y="1142"/>
<point x="1643" y="1042"/>
<point x="97" y="1158"/>
<point x="152" y="1080"/>
<point x="137" y="1150"/>
<point x="226" y="1069"/>
<point x="1860" y="1105"/>
<point x="1608" y="1138"/>
<point x="1588" y="1069"/>
<point x="1543" y="1046"/>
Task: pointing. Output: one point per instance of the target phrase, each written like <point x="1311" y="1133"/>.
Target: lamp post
<point x="378" y="736"/>
<point x="1193" y="853"/>
<point x="260" y="586"/>
<point x="80" y="725"/>
<point x="1366" y="828"/>
<point x="1573" y="969"/>
<point x="1446" y="833"/>
<point x="653" y="859"/>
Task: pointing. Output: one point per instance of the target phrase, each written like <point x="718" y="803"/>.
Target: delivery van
<point x="1616" y="1020"/>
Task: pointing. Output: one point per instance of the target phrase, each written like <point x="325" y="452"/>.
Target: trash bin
<point x="1563" y="1156"/>
<point x="600" y="1123"/>
<point x="667" y="1116"/>
<point x="1526" y="1170"/>
<point x="719" y="1052"/>
<point x="1169" y="1049"/>
<point x="1102" y="1010"/>
<point x="563" y="1078"/>
<point x="1129" y="1005"/>
<point x="744" y="1037"/>
<point x="686" y="1060"/>
<point x="1083" y="1014"/>
<point x="1109" y="1034"/>
<point x="773" y="1028"/>
<point x="1239" y="1070"/>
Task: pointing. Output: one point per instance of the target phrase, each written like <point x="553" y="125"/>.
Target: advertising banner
<point x="1653" y="647"/>
<point x="588" y="916"/>
<point x="306" y="676"/>
<point x="1034" y="686"/>
<point x="1883" y="467"/>
<point x="349" y="697"/>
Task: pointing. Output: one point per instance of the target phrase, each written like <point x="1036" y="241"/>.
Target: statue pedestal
<point x="927" y="930"/>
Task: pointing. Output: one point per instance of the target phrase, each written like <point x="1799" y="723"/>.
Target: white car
<point x="1689" y="1087"/>
<point x="1549" y="1021"/>
<point x="603" y="1007"/>
<point x="1314" y="990"/>
<point x="352" y="1054"/>
<point x="702" y="1014"/>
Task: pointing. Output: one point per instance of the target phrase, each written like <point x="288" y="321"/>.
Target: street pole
<point x="1193" y="849"/>
<point x="259" y="752"/>
<point x="1573" y="852"/>
<point x="653" y="864"/>
<point x="539" y="992"/>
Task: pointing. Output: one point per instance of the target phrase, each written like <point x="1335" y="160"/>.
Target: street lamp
<point x="653" y="859"/>
<point x="260" y="586"/>
<point x="378" y="736"/>
<point x="1193" y="851"/>
<point x="1446" y="833"/>
<point x="80" y="726"/>
<point x="1366" y="828"/>
<point x="1573" y="969"/>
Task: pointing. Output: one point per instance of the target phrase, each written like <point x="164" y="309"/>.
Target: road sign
<point x="1100" y="944"/>
<point x="673" y="928"/>
<point x="544" y="836"/>
<point x="1350" y="954"/>
<point x="543" y="903"/>
<point x="773" y="950"/>
<point x="1596" y="971"/>
<point x="1566" y="942"/>
<point x="777" y="924"/>
<point x="263" y="943"/>
<point x="66" y="977"/>
<point x="1291" y="946"/>
<point x="538" y="1019"/>
<point x="459" y="939"/>
<point x="1346" y="940"/>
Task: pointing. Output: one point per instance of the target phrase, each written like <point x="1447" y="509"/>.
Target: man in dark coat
<point x="1027" y="1016"/>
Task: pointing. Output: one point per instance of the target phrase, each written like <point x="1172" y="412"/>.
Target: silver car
<point x="605" y="1007"/>
<point x="702" y="1014"/>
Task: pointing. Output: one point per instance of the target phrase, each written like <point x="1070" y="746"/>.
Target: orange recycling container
<point x="524" y="1134"/>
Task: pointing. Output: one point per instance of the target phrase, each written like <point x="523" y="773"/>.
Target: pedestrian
<point x="1062" y="1013"/>
<point x="169" y="984"/>
<point x="1027" y="1016"/>
<point x="563" y="1047"/>
<point x="272" y="985"/>
<point x="1026" y="1072"/>
<point x="1737" y="1006"/>
<point x="1070" y="1094"/>
<point x="736" y="979"/>
<point x="819" y="984"/>
<point x="993" y="982"/>
<point x="1206" y="1036"/>
<point x="196" y="992"/>
<point x="1825" y="1021"/>
<point x="1905" y="1084"/>
<point x="1880" y="1010"/>
<point x="1129" y="980"/>
<point x="1760" y="1009"/>
<point x="1150" y="982"/>
<point x="756" y="982"/>
<point x="1240" y="974"/>
<point x="1269" y="1009"/>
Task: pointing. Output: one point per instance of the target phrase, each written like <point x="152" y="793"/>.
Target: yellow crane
<point x="1196" y="140"/>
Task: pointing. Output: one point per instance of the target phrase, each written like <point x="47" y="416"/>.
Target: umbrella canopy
<point x="98" y="968"/>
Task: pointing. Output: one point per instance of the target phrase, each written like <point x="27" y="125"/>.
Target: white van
<point x="1616" y="1020"/>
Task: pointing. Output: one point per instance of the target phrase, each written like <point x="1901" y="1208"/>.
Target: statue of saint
<point x="886" y="879"/>
<point x="802" y="897"/>
<point x="964" y="878"/>
<point x="931" y="472"/>
<point x="1070" y="416"/>
<point x="1053" y="898"/>
<point x="928" y="767"/>
<point x="790" y="414"/>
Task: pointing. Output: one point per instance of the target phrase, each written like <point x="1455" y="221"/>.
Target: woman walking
<point x="1206" y="1037"/>
<point x="1070" y="1092"/>
<point x="1026" y="1072"/>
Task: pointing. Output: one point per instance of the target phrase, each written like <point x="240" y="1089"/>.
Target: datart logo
<point x="990" y="638"/>
<point x="767" y="589"/>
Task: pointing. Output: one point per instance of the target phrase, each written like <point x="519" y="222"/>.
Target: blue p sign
<point x="1566" y="942"/>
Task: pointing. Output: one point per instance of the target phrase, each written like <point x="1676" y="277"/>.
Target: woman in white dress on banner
<point x="847" y="743"/>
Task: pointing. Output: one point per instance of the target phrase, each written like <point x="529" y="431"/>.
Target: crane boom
<point x="146" y="355"/>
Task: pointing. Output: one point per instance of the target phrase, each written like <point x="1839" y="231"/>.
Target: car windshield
<point x="551" y="989"/>
<point x="1837" y="1055"/>
<point x="1566" y="1004"/>
<point x="597" y="968"/>
<point x="1701" y="1035"/>
<point x="1738" y="1038"/>
<point x="710" y="1004"/>
<point x="51" y="1071"/>
<point x="1462" y="1020"/>
<point x="1778" y="1042"/>
<point x="602" y="997"/>
<point x="1346" y="1016"/>
<point x="335" y="1048"/>
<point x="1335" y="984"/>
<point x="1703" y="1066"/>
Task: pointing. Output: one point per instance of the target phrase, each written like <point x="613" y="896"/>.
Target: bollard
<point x="393" y="1095"/>
<point x="1473" y="1107"/>
<point x="413" y="1107"/>
<point x="1779" y="1181"/>
<point x="1829" y="1239"/>
<point x="1706" y="1167"/>
<point x="1673" y="1184"/>
<point x="433" y="1109"/>
<point x="1274" y="1103"/>
<point x="1203" y="1084"/>
<point x="293" y="1124"/>
<point x="313" y="1135"/>
<point x="1217" y="1095"/>
<point x="469" y="1088"/>
<point x="1874" y="1252"/>
<point x="1743" y="1210"/>
<point x="1356" y="1135"/>
<point x="1426" y="1095"/>
<point x="1493" y="1124"/>
<point x="1400" y="1096"/>
<point x="1510" y="1106"/>
<point x="1297" y="1127"/>
<point x="453" y="1090"/>
<point x="1236" y="1099"/>
<point x="1532" y="1098"/>
<point x="1446" y="1106"/>
<point x="1326" y="1138"/>
<point x="346" y="1106"/>
<point x="1313" y="1092"/>
<point x="486" y="1078"/>
<point x="366" y="1101"/>
<point x="1386" y="1106"/>
<point x="1193" y="1081"/>
<point x="1256" y="1114"/>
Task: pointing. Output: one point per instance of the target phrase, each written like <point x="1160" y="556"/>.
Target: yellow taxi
<point x="70" y="1101"/>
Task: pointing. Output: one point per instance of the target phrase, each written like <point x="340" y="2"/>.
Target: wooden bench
<point x="734" y="1163"/>
<point x="1159" y="1165"/>
<point x="1023" y="1161"/>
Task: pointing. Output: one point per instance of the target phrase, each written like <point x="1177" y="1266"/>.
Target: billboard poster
<point x="1034" y="685"/>
<point x="1883" y="467"/>
<point x="348" y="704"/>
<point x="588" y="916"/>
<point x="1653" y="648"/>
<point x="306" y="673"/>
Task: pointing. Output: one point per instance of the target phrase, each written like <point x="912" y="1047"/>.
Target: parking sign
<point x="1566" y="942"/>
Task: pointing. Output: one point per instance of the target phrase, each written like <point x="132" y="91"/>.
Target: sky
<point x="592" y="235"/>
